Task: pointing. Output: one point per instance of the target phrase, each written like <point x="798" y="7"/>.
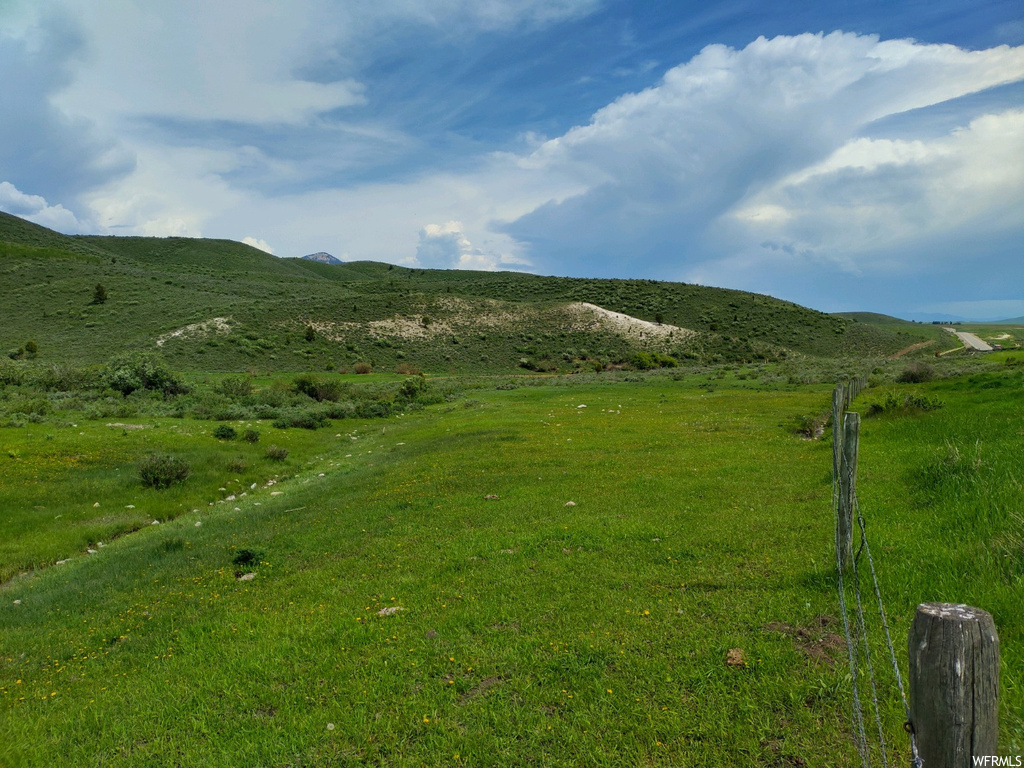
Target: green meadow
<point x="503" y="577"/>
<point x="241" y="527"/>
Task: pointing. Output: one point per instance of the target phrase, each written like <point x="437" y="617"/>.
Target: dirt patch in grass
<point x="911" y="348"/>
<point x="818" y="643"/>
<point x="480" y="689"/>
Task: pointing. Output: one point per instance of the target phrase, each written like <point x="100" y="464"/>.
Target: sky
<point x="848" y="155"/>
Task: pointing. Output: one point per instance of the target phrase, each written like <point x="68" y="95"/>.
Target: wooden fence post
<point x="837" y="428"/>
<point x="954" y="684"/>
<point x="847" y="488"/>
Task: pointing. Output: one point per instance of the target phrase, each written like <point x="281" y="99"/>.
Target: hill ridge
<point x="303" y="314"/>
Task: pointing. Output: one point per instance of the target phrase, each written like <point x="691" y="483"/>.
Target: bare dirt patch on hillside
<point x="591" y="317"/>
<point x="911" y="348"/>
<point x="451" y="315"/>
<point x="218" y="325"/>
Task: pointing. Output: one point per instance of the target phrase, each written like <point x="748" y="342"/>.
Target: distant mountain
<point x="323" y="258"/>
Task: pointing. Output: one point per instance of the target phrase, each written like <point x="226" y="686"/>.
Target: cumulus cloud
<point x="261" y="244"/>
<point x="445" y="246"/>
<point x="871" y="198"/>
<point x="35" y="208"/>
<point x="41" y="147"/>
<point x="731" y="137"/>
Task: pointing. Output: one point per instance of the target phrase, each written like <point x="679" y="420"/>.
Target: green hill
<point x="222" y="305"/>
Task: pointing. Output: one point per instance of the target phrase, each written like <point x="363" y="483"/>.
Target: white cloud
<point x="192" y="60"/>
<point x="36" y="209"/>
<point x="872" y="197"/>
<point x="762" y="145"/>
<point x="445" y="246"/>
<point x="241" y="60"/>
<point x="261" y="244"/>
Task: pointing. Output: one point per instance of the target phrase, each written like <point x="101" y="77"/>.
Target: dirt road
<point x="971" y="341"/>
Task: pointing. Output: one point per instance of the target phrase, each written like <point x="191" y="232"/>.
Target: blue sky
<point x="844" y="155"/>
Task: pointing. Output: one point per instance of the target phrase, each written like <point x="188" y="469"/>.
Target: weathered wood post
<point x="954" y="684"/>
<point x="837" y="428"/>
<point x="847" y="488"/>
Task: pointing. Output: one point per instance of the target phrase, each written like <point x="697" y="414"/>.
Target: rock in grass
<point x="391" y="610"/>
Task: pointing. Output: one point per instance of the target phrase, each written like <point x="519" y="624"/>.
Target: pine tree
<point x="99" y="296"/>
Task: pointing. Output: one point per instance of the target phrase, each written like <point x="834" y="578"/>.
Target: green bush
<point x="163" y="471"/>
<point x="237" y="466"/>
<point x="647" y="361"/>
<point x="251" y="435"/>
<point x="225" y="432"/>
<point x="317" y="388"/>
<point x="411" y="389"/>
<point x="900" y="402"/>
<point x="235" y="386"/>
<point x="276" y="453"/>
<point x="247" y="557"/>
<point x="303" y="419"/>
<point x="916" y="373"/>
<point x="134" y="371"/>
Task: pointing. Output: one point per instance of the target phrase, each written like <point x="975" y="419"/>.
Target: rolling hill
<point x="222" y="305"/>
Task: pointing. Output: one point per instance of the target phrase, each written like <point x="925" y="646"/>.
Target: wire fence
<point x="876" y="681"/>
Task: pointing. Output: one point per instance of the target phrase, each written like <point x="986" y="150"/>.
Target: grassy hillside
<point x="435" y="320"/>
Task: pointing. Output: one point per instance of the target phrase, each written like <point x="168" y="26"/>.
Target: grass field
<point x="681" y="611"/>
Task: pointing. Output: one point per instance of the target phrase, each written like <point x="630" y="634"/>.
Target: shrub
<point x="302" y="419"/>
<point x="99" y="294"/>
<point x="317" y="388"/>
<point x="896" y="402"/>
<point x="276" y="453"/>
<point x="237" y="466"/>
<point x="31" y="348"/>
<point x="133" y="371"/>
<point x="310" y="334"/>
<point x="163" y="471"/>
<point x="362" y="367"/>
<point x="251" y="435"/>
<point x="646" y="361"/>
<point x="811" y="426"/>
<point x="412" y="388"/>
<point x="247" y="557"/>
<point x="916" y="373"/>
<point x="225" y="432"/>
<point x="235" y="386"/>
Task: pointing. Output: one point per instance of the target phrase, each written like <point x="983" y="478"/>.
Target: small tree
<point x="31" y="348"/>
<point x="310" y="333"/>
<point x="99" y="295"/>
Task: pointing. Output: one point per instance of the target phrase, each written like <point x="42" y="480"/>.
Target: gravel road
<point x="971" y="341"/>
